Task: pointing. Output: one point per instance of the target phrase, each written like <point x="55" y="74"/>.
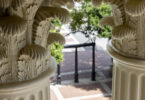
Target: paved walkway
<point x="85" y="89"/>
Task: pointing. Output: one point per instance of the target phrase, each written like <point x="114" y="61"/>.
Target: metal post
<point x="93" y="63"/>
<point x="76" y="80"/>
<point x="58" y="74"/>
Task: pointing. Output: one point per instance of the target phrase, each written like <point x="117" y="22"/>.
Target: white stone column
<point x="26" y="64"/>
<point x="127" y="47"/>
<point x="128" y="77"/>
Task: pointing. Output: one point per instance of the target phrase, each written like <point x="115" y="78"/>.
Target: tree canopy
<point x="85" y="19"/>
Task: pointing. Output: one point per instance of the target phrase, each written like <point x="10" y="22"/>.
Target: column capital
<point x="127" y="21"/>
<point x="25" y="37"/>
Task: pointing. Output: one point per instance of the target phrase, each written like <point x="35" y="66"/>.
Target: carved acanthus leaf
<point x="3" y="43"/>
<point x="45" y="15"/>
<point x="118" y="15"/>
<point x="17" y="3"/>
<point x="47" y="12"/>
<point x="5" y="3"/>
<point x="122" y="31"/>
<point x="13" y="3"/>
<point x="4" y="68"/>
<point x="3" y="54"/>
<point x="58" y="3"/>
<point x="12" y="25"/>
<point x="31" y="7"/>
<point x="55" y="37"/>
<point x="33" y="51"/>
<point x="135" y="7"/>
<point x="40" y="30"/>
<point x="117" y="4"/>
<point x="107" y="21"/>
<point x="6" y="77"/>
<point x="119" y="20"/>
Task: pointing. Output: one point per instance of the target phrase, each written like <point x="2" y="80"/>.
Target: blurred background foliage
<point x="56" y="48"/>
<point x="86" y="18"/>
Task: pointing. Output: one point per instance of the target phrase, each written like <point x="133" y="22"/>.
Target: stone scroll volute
<point x="25" y="39"/>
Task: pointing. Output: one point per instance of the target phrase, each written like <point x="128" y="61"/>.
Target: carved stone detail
<point x="127" y="47"/>
<point x="36" y="89"/>
<point x="25" y="40"/>
<point x="127" y="26"/>
<point x="58" y="3"/>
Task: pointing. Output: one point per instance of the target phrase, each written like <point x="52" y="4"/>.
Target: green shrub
<point x="56" y="48"/>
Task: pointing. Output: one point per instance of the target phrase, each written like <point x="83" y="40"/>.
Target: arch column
<point x="127" y="47"/>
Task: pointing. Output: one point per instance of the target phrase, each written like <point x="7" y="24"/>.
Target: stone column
<point x="26" y="63"/>
<point x="127" y="47"/>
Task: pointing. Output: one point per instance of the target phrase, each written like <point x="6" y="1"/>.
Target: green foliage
<point x="56" y="52"/>
<point x="56" y="48"/>
<point x="57" y="23"/>
<point x="86" y="18"/>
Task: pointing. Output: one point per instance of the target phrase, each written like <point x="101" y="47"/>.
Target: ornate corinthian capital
<point x="26" y="63"/>
<point x="25" y="40"/>
<point x="127" y="23"/>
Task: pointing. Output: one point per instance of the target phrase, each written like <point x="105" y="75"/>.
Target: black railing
<point x="76" y="75"/>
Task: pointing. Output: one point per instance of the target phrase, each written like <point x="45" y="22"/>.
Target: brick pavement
<point x="85" y="89"/>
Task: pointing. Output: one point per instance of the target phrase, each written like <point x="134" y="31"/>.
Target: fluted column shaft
<point x="37" y="89"/>
<point x="128" y="77"/>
